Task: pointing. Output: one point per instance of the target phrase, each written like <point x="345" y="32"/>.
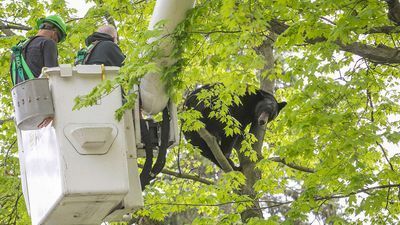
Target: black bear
<point x="255" y="108"/>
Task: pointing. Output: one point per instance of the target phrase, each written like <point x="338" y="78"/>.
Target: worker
<point x="101" y="48"/>
<point x="31" y="55"/>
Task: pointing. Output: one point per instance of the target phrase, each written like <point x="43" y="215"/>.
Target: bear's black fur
<point x="253" y="109"/>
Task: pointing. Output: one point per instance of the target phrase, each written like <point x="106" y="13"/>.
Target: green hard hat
<point x="58" y="22"/>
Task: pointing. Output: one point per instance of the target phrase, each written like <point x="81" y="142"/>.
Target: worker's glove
<point x="45" y="122"/>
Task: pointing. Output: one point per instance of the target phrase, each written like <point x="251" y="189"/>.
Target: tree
<point x="326" y="157"/>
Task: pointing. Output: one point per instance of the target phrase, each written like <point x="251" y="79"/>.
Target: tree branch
<point x="184" y="176"/>
<point x="364" y="190"/>
<point x="266" y="50"/>
<point x="276" y="203"/>
<point x="10" y="22"/>
<point x="14" y="212"/>
<point x="377" y="54"/>
<point x="110" y="19"/>
<point x="216" y="150"/>
<point x="252" y="174"/>
<point x="249" y="169"/>
<point x="383" y="30"/>
<point x="213" y="205"/>
<point x="7" y="27"/>
<point x="215" y="31"/>
<point x="292" y="165"/>
<point x="7" y="32"/>
<point x="385" y="155"/>
<point x="8" y="153"/>
<point x="394" y="10"/>
<point x="74" y="19"/>
<point x="15" y="27"/>
<point x="138" y="2"/>
<point x="338" y="196"/>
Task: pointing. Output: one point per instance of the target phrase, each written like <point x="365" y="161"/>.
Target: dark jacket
<point x="105" y="52"/>
<point x="38" y="53"/>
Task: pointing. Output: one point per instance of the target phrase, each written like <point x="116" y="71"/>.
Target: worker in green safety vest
<point x="31" y="55"/>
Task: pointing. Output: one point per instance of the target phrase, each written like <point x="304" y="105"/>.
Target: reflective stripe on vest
<point x="19" y="64"/>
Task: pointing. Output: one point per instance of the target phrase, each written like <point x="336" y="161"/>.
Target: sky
<point x="80" y="5"/>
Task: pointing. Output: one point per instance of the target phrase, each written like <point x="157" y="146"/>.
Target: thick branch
<point x="394" y="10"/>
<point x="378" y="54"/>
<point x="184" y="176"/>
<point x="7" y="32"/>
<point x="249" y="167"/>
<point x="252" y="174"/>
<point x="292" y="165"/>
<point x="14" y="23"/>
<point x="216" y="150"/>
<point x="15" y="27"/>
<point x="266" y="50"/>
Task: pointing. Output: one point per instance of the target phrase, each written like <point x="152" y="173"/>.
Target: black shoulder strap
<point x="89" y="51"/>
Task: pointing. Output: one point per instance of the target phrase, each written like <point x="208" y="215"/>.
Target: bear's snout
<point x="263" y="118"/>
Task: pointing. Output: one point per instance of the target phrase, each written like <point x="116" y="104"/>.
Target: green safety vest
<point x="83" y="55"/>
<point x="18" y="65"/>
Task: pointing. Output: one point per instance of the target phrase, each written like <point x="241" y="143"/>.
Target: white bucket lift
<point x="83" y="168"/>
<point x="153" y="94"/>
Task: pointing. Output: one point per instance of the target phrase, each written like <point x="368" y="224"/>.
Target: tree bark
<point x="252" y="174"/>
<point x="378" y="54"/>
<point x="6" y="30"/>
<point x="249" y="167"/>
<point x="184" y="176"/>
<point x="216" y="150"/>
<point x="266" y="50"/>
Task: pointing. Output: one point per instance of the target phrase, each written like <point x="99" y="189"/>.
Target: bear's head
<point x="267" y="108"/>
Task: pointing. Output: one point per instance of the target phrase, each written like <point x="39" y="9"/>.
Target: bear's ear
<point x="281" y="105"/>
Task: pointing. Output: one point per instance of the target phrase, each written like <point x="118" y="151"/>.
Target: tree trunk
<point x="248" y="167"/>
<point x="252" y="174"/>
<point x="266" y="50"/>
